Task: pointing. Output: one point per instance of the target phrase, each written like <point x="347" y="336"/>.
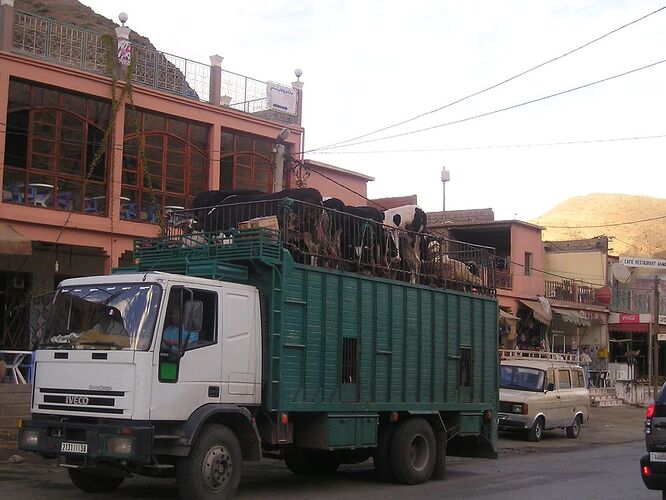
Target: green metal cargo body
<point x="345" y="342"/>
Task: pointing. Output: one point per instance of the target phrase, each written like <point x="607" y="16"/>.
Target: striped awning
<point x="571" y="316"/>
<point x="538" y="311"/>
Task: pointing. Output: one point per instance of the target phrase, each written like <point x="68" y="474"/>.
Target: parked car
<point x="653" y="464"/>
<point x="541" y="391"/>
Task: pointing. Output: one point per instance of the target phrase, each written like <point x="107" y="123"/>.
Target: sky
<point x="370" y="64"/>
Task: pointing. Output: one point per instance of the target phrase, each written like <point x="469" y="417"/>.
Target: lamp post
<point x="446" y="177"/>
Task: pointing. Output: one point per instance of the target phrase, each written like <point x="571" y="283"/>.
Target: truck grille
<point x="80" y="400"/>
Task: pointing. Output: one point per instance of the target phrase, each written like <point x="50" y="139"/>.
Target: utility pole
<point x="655" y="340"/>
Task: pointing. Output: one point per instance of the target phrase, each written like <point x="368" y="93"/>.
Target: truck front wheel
<point x="413" y="452"/>
<point x="94" y="483"/>
<point x="213" y="468"/>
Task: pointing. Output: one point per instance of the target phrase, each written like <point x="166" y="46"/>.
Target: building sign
<point x="643" y="262"/>
<point x="281" y="98"/>
<point x="634" y="319"/>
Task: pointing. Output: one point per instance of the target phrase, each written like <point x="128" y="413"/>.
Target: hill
<point x="605" y="211"/>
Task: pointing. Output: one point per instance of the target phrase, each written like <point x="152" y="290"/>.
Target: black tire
<point x="663" y="494"/>
<point x="94" y="483"/>
<point x="310" y="462"/>
<point x="534" y="434"/>
<point x="212" y="470"/>
<point x="297" y="462"/>
<point x="381" y="457"/>
<point x="574" y="429"/>
<point x="413" y="451"/>
<point x="439" y="472"/>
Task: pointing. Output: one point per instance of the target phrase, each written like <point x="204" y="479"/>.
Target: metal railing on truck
<point x="513" y="354"/>
<point x="318" y="236"/>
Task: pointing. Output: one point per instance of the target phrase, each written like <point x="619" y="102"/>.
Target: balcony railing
<point x="61" y="43"/>
<point x="635" y="301"/>
<point x="571" y="291"/>
<point x="503" y="279"/>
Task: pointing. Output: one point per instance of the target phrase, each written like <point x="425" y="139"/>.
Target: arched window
<point x="53" y="155"/>
<point x="175" y="169"/>
<point x="247" y="162"/>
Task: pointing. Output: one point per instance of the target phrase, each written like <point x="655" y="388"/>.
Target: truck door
<point x="567" y="399"/>
<point x="188" y="364"/>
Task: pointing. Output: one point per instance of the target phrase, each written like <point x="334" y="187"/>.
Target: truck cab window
<point x="173" y="324"/>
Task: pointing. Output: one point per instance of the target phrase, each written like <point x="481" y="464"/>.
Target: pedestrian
<point x="585" y="361"/>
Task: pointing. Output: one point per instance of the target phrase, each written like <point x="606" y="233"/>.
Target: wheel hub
<point x="216" y="467"/>
<point x="419" y="453"/>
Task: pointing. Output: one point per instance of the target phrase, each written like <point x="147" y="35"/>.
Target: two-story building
<point x="103" y="136"/>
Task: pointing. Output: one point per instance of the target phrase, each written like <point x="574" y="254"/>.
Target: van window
<point x="564" y="379"/>
<point x="521" y="378"/>
<point x="550" y="378"/>
<point x="577" y="378"/>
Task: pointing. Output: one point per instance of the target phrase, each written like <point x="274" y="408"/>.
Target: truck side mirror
<point x="192" y="315"/>
<point x="550" y="387"/>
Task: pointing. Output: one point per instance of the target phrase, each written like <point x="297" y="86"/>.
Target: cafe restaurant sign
<point x="643" y="262"/>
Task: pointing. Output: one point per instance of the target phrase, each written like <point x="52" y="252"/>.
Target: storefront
<point x="629" y="344"/>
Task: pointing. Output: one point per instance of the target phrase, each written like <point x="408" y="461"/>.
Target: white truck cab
<point x="131" y="364"/>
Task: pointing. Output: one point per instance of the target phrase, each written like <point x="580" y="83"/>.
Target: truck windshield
<point x="521" y="378"/>
<point x="102" y="317"/>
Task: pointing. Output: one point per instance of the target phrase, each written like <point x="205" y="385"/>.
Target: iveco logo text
<point x="77" y="400"/>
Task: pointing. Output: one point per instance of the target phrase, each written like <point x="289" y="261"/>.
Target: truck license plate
<point x="657" y="456"/>
<point x="74" y="447"/>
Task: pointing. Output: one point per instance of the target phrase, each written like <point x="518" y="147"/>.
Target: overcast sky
<point x="371" y="64"/>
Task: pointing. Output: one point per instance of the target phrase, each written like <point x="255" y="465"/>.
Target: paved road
<point x="602" y="463"/>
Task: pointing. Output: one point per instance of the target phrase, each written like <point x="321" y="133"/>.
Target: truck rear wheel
<point x="309" y="462"/>
<point x="381" y="457"/>
<point x="94" y="483"/>
<point x="213" y="468"/>
<point x="413" y="451"/>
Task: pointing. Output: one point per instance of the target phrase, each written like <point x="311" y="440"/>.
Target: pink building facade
<point x="94" y="156"/>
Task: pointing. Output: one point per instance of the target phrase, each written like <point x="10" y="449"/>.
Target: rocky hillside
<point x="77" y="14"/>
<point x="605" y="211"/>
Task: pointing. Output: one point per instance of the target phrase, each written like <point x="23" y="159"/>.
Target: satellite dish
<point x="620" y="272"/>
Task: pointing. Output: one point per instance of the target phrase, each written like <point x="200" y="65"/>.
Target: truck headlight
<point x="519" y="408"/>
<point x="120" y="446"/>
<point x="30" y="439"/>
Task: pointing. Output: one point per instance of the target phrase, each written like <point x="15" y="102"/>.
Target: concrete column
<point x="215" y="79"/>
<point x="298" y="86"/>
<point x="114" y="251"/>
<point x="4" y="91"/>
<point x="214" y="147"/>
<point x="6" y="24"/>
<point x="124" y="50"/>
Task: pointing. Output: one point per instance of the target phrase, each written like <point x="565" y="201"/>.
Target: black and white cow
<point x="400" y="220"/>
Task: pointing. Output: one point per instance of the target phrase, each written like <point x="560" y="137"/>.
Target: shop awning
<point x="508" y="316"/>
<point x="573" y="317"/>
<point x="13" y="242"/>
<point x="538" y="312"/>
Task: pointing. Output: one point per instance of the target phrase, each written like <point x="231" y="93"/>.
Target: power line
<point x="514" y="106"/>
<point x="498" y="146"/>
<point x="494" y="85"/>
<point x="612" y="224"/>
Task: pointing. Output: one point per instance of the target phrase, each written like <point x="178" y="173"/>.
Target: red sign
<point x="629" y="318"/>
<point x="603" y="295"/>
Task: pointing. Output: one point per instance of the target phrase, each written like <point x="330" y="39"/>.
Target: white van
<point x="540" y="391"/>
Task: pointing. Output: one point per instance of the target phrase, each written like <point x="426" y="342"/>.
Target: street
<point x="602" y="463"/>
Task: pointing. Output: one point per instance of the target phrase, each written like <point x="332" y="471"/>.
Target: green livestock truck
<point x="238" y="341"/>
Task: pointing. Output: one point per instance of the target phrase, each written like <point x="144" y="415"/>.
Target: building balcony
<point x="635" y="301"/>
<point x="571" y="291"/>
<point x="59" y="43"/>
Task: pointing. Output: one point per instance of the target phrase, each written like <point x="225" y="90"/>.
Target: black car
<point x="653" y="464"/>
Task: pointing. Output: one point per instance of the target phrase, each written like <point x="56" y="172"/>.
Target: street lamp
<point x="446" y="177"/>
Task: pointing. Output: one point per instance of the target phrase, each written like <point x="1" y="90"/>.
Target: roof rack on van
<point x="541" y="355"/>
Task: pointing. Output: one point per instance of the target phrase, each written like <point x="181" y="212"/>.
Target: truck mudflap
<point x="88" y="443"/>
